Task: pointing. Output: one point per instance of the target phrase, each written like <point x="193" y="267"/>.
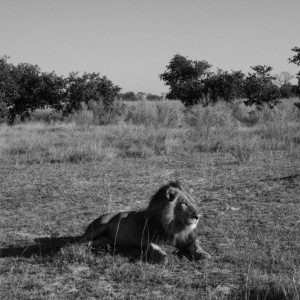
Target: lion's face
<point x="175" y="209"/>
<point x="185" y="209"/>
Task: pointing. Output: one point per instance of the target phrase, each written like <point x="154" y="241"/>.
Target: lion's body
<point x="170" y="218"/>
<point x="123" y="228"/>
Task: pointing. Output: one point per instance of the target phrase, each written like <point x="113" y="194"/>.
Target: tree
<point x="23" y="89"/>
<point x="8" y="88"/>
<point x="283" y="78"/>
<point x="141" y="96"/>
<point x="296" y="60"/>
<point x="224" y="85"/>
<point x="259" y="88"/>
<point x="152" y="97"/>
<point x="26" y="97"/>
<point x="286" y="91"/>
<point x="90" y="86"/>
<point x="52" y="90"/>
<point x="283" y="81"/>
<point x="185" y="79"/>
<point x="128" y="96"/>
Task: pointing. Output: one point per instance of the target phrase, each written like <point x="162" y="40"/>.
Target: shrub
<point x="47" y="115"/>
<point x="210" y="127"/>
<point x="279" y="127"/>
<point x="152" y="97"/>
<point x="141" y="141"/>
<point x="143" y="112"/>
<point x="95" y="113"/>
<point x="242" y="147"/>
<point x="83" y="117"/>
<point x="244" y="115"/>
<point x="104" y="115"/>
<point x="207" y="119"/>
<point x="163" y="113"/>
<point x="128" y="96"/>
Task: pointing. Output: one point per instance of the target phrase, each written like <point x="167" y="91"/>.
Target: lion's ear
<point x="171" y="194"/>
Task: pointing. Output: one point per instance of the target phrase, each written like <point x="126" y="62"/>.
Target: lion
<point x="170" y="219"/>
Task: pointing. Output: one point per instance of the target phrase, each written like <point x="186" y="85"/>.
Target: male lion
<point x="170" y="218"/>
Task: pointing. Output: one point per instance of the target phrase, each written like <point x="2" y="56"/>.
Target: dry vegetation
<point x="244" y="169"/>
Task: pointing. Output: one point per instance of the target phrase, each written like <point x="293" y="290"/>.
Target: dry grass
<point x="56" y="178"/>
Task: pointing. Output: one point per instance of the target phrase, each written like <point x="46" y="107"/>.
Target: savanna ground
<point x="55" y="178"/>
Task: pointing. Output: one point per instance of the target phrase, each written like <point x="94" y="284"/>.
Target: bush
<point x="207" y="119"/>
<point x="210" y="127"/>
<point x="141" y="141"/>
<point x="47" y="115"/>
<point x="104" y="115"/>
<point x="152" y="97"/>
<point x="83" y="117"/>
<point x="96" y="113"/>
<point x="128" y="96"/>
<point x="244" y="115"/>
<point x="242" y="147"/>
<point x="279" y="127"/>
<point x="286" y="91"/>
<point x="163" y="113"/>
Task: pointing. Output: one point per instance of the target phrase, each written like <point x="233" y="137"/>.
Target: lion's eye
<point x="184" y="204"/>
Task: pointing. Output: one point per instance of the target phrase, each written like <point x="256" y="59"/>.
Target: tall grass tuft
<point x="39" y="143"/>
<point x="279" y="127"/>
<point x="210" y="127"/>
<point x="137" y="141"/>
<point x="95" y="113"/>
<point x="244" y="114"/>
<point x="242" y="147"/>
<point x="159" y="113"/>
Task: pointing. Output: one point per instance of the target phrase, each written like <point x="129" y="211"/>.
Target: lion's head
<point x="174" y="208"/>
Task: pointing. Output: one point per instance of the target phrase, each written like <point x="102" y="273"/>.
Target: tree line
<point x="25" y="88"/>
<point x="192" y="82"/>
<point x="131" y="96"/>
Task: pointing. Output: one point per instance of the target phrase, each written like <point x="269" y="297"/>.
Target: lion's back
<point x="102" y="220"/>
<point x="128" y="228"/>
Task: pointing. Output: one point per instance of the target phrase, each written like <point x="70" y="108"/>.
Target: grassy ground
<point x="245" y="173"/>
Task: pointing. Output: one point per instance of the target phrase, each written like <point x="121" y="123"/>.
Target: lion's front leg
<point x="157" y="253"/>
<point x="195" y="250"/>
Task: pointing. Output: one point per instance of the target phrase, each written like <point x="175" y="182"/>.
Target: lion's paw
<point x="160" y="257"/>
<point x="202" y="255"/>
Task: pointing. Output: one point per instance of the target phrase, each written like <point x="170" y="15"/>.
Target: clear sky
<point x="132" y="41"/>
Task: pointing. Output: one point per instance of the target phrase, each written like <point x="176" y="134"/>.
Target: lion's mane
<point x="162" y="219"/>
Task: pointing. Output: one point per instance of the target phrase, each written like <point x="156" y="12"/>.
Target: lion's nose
<point x="196" y="217"/>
